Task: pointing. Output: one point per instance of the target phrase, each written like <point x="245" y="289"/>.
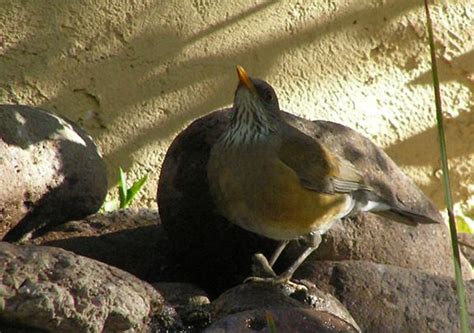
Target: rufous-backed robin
<point x="268" y="177"/>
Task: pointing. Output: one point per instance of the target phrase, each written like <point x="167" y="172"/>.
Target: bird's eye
<point x="268" y="96"/>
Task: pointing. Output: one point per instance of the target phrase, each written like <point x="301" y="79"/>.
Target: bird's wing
<point x="317" y="168"/>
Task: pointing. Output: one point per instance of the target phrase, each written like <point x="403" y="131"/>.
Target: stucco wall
<point x="133" y="73"/>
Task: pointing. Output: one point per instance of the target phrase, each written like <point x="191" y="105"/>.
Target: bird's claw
<point x="263" y="273"/>
<point x="277" y="280"/>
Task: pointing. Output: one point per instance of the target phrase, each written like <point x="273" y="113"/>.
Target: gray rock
<point x="467" y="246"/>
<point x="384" y="298"/>
<point x="50" y="171"/>
<point x="245" y="307"/>
<point x="286" y="320"/>
<point x="373" y="238"/>
<point x="55" y="290"/>
<point x="179" y="293"/>
<point x="250" y="296"/>
<point x="10" y="328"/>
<point x="218" y="254"/>
<point x="120" y="239"/>
<point x="190" y="303"/>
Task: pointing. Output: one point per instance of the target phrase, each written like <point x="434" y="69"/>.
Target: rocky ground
<point x="64" y="270"/>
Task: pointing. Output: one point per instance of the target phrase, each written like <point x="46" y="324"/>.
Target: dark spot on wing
<point x="352" y="153"/>
<point x="381" y="160"/>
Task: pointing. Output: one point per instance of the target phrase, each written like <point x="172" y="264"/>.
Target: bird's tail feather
<point x="406" y="217"/>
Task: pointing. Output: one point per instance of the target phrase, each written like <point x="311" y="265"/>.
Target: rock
<point x="218" y="254"/>
<point x="55" y="290"/>
<point x="373" y="238"/>
<point x="167" y="321"/>
<point x="245" y="309"/>
<point x="250" y="296"/>
<point x="10" y="328"/>
<point x="132" y="240"/>
<point x="50" y="171"/>
<point x="384" y="298"/>
<point x="178" y="293"/>
<point x="286" y="320"/>
<point x="190" y="303"/>
<point x="466" y="243"/>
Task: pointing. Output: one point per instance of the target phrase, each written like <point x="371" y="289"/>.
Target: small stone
<point x="245" y="309"/>
<point x="286" y="320"/>
<point x="189" y="301"/>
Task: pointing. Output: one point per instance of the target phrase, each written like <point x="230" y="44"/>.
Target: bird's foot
<point x="263" y="273"/>
<point x="275" y="280"/>
<point x="282" y="279"/>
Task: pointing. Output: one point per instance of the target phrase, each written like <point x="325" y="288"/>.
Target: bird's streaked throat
<point x="250" y="121"/>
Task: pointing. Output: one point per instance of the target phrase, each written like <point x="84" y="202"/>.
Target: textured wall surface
<point x="133" y="73"/>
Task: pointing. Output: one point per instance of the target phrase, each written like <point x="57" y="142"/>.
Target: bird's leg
<point x="261" y="267"/>
<point x="314" y="240"/>
<point x="278" y="251"/>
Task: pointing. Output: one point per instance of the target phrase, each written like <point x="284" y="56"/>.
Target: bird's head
<point x="254" y="94"/>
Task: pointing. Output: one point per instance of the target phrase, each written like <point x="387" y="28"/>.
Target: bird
<point x="269" y="178"/>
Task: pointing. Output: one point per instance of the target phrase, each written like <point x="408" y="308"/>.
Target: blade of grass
<point x="122" y="188"/>
<point x="446" y="183"/>
<point x="136" y="187"/>
<point x="270" y="322"/>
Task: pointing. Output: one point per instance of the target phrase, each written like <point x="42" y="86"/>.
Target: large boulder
<point x="120" y="239"/>
<point x="384" y="298"/>
<point x="55" y="290"/>
<point x="218" y="254"/>
<point x="50" y="171"/>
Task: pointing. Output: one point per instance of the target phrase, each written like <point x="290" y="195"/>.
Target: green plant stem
<point x="446" y="183"/>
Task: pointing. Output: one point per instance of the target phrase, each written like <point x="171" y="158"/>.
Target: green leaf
<point x="270" y="322"/>
<point x="136" y="187"/>
<point x="465" y="224"/>
<point x="122" y="189"/>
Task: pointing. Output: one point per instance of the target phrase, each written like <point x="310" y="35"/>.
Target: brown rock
<point x="10" y="328"/>
<point x="179" y="293"/>
<point x="57" y="291"/>
<point x="244" y="308"/>
<point x="466" y="242"/>
<point x="373" y="238"/>
<point x="218" y="254"/>
<point x="250" y="296"/>
<point x="50" y="171"/>
<point x="286" y="320"/>
<point x="190" y="303"/>
<point x="130" y="239"/>
<point x="384" y="298"/>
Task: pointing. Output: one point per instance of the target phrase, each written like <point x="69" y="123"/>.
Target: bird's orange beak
<point x="244" y="78"/>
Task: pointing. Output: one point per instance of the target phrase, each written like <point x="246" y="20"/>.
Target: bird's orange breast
<point x="258" y="192"/>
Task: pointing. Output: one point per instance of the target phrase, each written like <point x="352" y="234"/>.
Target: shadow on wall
<point x="459" y="69"/>
<point x="143" y="67"/>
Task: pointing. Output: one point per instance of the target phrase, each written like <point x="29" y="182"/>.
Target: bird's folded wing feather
<point x="317" y="168"/>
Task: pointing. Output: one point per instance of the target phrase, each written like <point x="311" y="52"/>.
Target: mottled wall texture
<point x="134" y="73"/>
